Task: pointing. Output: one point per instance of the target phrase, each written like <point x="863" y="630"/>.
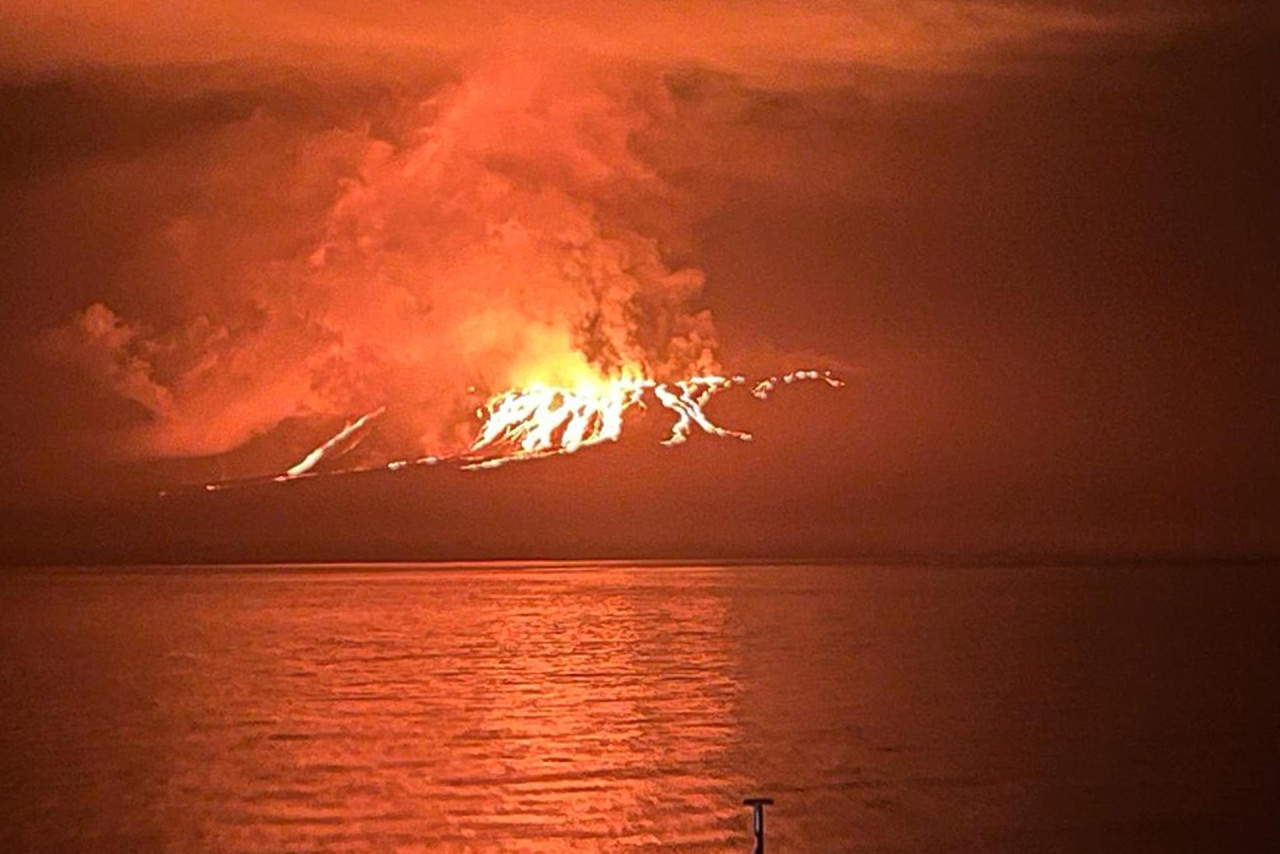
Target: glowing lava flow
<point x="687" y="400"/>
<point x="764" y="388"/>
<point x="345" y="439"/>
<point x="540" y="421"/>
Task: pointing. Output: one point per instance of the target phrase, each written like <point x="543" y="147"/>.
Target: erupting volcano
<point x="493" y="270"/>
<point x="541" y="421"/>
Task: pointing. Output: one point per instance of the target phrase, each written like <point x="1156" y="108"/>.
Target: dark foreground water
<point x="618" y="708"/>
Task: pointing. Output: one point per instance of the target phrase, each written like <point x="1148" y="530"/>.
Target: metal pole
<point x="757" y="820"/>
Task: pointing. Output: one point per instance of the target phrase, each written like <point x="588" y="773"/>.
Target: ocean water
<point x="505" y="708"/>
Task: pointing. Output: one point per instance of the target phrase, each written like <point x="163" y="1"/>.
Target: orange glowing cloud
<point x="479" y="244"/>
<point x="501" y="209"/>
<point x="763" y="37"/>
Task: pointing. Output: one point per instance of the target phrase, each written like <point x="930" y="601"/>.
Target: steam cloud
<point x="505" y="226"/>
<point x="470" y="244"/>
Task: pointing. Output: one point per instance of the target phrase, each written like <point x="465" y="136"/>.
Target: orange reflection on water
<point x="533" y="711"/>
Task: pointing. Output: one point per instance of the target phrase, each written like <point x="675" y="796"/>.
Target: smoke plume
<point x="471" y="242"/>
<point x="523" y="217"/>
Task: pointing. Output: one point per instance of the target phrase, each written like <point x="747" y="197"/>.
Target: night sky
<point x="1037" y="239"/>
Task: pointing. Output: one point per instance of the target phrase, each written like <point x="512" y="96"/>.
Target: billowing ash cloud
<point x="472" y="242"/>
<point x="507" y="226"/>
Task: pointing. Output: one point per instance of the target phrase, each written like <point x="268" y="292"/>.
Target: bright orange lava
<point x="540" y="420"/>
<point x="544" y="420"/>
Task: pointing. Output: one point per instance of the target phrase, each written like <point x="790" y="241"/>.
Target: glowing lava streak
<point x="540" y="421"/>
<point x="764" y="388"/>
<point x="345" y="439"/>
